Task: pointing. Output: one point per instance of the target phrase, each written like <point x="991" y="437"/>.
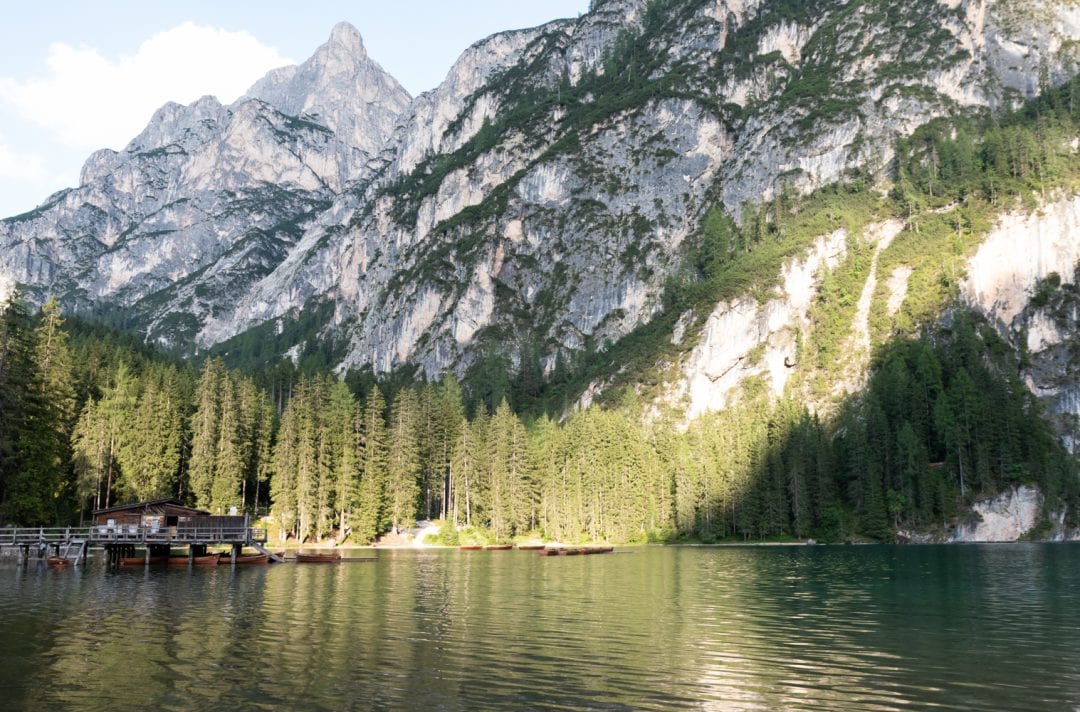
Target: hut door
<point x="171" y="523"/>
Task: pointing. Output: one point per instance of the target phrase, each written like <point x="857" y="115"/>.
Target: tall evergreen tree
<point x="150" y="446"/>
<point x="206" y="431"/>
<point x="371" y="495"/>
<point x="403" y="471"/>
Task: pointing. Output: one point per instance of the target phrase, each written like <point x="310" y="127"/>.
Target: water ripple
<point x="789" y="628"/>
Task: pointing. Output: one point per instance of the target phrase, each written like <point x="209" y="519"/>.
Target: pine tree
<point x="230" y="457"/>
<point x="307" y="459"/>
<point x="34" y="489"/>
<point x="449" y="414"/>
<point x="403" y="472"/>
<point x="18" y="391"/>
<point x="371" y="504"/>
<point x="206" y="432"/>
<point x="117" y="407"/>
<point x="343" y="433"/>
<point x="150" y="449"/>
<point x="283" y="470"/>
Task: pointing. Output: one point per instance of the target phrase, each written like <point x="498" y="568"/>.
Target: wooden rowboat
<point x="530" y="547"/>
<point x="318" y="558"/>
<point x="498" y="547"/>
<point x="245" y="559"/>
<point x="205" y="560"/>
<point x="58" y="562"/>
<point x="141" y="561"/>
<point x="576" y="550"/>
<point x="470" y="547"/>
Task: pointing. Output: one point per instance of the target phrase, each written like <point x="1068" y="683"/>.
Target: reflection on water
<point x="975" y="627"/>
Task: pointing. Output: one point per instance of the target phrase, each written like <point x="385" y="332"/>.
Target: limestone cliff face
<point x="504" y="220"/>
<point x="747" y="338"/>
<point x="535" y="201"/>
<point x="208" y="198"/>
<point x="1013" y="515"/>
<point x="1024" y="279"/>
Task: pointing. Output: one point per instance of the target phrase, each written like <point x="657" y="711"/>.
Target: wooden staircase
<point x="79" y="548"/>
<point x="263" y="550"/>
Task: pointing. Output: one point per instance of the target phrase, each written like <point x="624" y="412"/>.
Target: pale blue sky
<point x="77" y="76"/>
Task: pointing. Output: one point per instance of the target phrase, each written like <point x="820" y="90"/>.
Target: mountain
<point x="531" y="210"/>
<point x="208" y="199"/>
<point x="540" y="197"/>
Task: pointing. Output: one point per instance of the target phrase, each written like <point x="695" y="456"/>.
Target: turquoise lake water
<point x="993" y="627"/>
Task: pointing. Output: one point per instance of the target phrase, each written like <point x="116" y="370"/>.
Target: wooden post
<point x="147" y="555"/>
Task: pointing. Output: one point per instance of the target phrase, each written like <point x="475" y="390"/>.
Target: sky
<point x="77" y="76"/>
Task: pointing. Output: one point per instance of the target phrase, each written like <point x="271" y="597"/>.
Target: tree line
<point x="89" y="418"/>
<point x="90" y="423"/>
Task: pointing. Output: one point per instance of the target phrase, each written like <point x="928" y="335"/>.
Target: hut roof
<point x="151" y="505"/>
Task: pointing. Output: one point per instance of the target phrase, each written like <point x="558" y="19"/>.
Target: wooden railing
<point x="12" y="536"/>
<point x="132" y="534"/>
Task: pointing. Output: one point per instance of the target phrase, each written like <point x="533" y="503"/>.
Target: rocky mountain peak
<point x="347" y="38"/>
<point x="341" y="88"/>
<point x="535" y="203"/>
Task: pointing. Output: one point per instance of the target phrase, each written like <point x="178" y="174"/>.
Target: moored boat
<point x="575" y="550"/>
<point x="470" y="547"/>
<point x="498" y="547"/>
<point x="141" y="561"/>
<point x="205" y="560"/>
<point x="245" y="559"/>
<point x="530" y="547"/>
<point x="318" y="558"/>
<point x="58" y="562"/>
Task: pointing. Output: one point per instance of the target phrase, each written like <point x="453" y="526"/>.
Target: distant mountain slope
<point x="533" y="206"/>
<point x="208" y="198"/>
<point x="536" y="202"/>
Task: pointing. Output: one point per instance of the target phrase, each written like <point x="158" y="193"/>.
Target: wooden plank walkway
<point x="131" y="534"/>
<point x="121" y="540"/>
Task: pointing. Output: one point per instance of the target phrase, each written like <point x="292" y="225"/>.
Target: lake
<point x="770" y="628"/>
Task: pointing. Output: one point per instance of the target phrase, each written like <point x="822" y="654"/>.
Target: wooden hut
<point x="156" y="514"/>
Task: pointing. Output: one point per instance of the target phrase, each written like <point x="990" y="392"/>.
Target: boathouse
<point x="156" y="525"/>
<point x="156" y="514"/>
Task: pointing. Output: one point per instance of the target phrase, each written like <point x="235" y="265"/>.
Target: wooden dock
<point x="122" y="541"/>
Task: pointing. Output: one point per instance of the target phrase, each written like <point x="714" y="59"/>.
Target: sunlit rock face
<point x="208" y="198"/>
<point x="1007" y="517"/>
<point x="538" y="199"/>
<point x="1028" y="252"/>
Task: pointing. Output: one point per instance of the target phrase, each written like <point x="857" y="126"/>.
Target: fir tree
<point x="371" y="495"/>
<point x="403" y="471"/>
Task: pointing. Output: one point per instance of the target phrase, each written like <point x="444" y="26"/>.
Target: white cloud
<point x="89" y="101"/>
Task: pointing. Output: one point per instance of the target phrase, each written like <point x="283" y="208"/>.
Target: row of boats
<point x="330" y="557"/>
<point x="205" y="560"/>
<point x="542" y="549"/>
<point x="60" y="562"/>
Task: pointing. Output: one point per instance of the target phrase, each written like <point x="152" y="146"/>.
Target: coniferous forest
<point x="90" y="417"/>
<point x="93" y="419"/>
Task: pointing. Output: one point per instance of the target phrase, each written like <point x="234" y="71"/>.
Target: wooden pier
<point x="123" y="540"/>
